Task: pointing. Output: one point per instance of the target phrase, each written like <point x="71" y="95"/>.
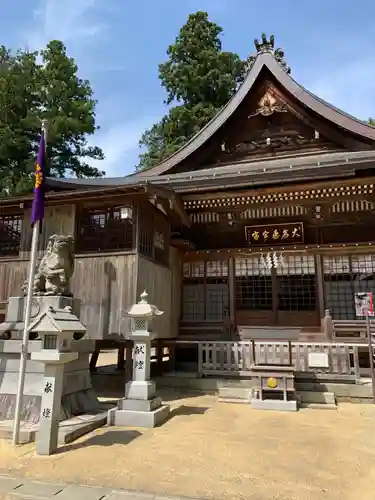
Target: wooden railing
<point x="346" y="330"/>
<point x="237" y="358"/>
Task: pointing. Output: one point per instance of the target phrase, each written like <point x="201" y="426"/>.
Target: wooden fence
<point x="237" y="358"/>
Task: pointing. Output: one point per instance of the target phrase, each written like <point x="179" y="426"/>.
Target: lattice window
<point x="205" y="291"/>
<point x="217" y="268"/>
<point x="344" y="276"/>
<point x="194" y="269"/>
<point x="296" y="283"/>
<point x="10" y="234"/>
<point x="253" y="284"/>
<point x="104" y="229"/>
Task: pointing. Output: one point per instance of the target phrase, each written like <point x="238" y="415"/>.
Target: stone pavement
<point x="13" y="488"/>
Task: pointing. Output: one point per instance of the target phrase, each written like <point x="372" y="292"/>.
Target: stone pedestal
<point x="78" y="396"/>
<point x="140" y="407"/>
<point x="48" y="432"/>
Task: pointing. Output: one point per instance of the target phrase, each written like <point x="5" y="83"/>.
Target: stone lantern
<point x="56" y="328"/>
<point x="140" y="407"/>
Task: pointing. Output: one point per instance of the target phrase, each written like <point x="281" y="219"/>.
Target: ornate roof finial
<point x="265" y="45"/>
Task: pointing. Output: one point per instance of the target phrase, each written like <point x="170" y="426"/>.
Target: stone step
<point x="233" y="392"/>
<point x="315" y="397"/>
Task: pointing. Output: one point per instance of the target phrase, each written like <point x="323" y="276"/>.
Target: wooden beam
<point x="280" y="189"/>
<point x="175" y="202"/>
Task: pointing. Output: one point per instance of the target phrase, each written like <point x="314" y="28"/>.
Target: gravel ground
<point x="221" y="451"/>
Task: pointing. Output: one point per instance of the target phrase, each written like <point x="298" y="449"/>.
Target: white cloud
<point x="119" y="143"/>
<point x="71" y="21"/>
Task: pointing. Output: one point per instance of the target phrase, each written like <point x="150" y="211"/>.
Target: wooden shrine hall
<point x="258" y="225"/>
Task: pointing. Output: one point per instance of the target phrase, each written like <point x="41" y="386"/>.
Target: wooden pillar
<point x="159" y="356"/>
<point x="232" y="297"/>
<point x="94" y="357"/>
<point x="319" y="286"/>
<point x="172" y="355"/>
<point x="275" y="297"/>
<point x="120" y="357"/>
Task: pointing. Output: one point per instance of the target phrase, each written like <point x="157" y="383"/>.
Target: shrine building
<point x="253" y="229"/>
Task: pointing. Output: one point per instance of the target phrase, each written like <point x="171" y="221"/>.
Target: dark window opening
<point x="105" y="229"/>
<point x="205" y="293"/>
<point x="344" y="276"/>
<point x="297" y="293"/>
<point x="10" y="234"/>
<point x="254" y="292"/>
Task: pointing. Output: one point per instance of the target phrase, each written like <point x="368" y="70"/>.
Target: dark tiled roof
<point x="261" y="172"/>
<point x="277" y="168"/>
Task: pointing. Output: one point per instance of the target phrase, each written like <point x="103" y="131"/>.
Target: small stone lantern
<point x="140" y="407"/>
<point x="56" y="328"/>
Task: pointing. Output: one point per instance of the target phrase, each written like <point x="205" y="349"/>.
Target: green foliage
<point x="31" y="90"/>
<point x="199" y="78"/>
<point x="371" y="122"/>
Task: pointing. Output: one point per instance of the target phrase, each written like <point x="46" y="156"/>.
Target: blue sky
<point x="118" y="45"/>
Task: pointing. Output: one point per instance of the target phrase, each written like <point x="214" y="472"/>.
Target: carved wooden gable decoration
<point x="271" y="128"/>
<point x="270" y="116"/>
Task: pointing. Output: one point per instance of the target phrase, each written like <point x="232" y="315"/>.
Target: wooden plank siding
<point x="58" y="220"/>
<point x="163" y="286"/>
<point x="106" y="287"/>
<point x="12" y="276"/>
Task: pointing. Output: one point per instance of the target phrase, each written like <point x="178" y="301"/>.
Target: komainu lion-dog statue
<point x="56" y="268"/>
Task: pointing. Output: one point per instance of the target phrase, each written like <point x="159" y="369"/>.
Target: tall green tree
<point x="199" y="78"/>
<point x="33" y="88"/>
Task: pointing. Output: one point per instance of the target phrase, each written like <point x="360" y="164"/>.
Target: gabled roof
<point x="266" y="60"/>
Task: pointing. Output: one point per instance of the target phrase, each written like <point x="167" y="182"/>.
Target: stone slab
<point x="69" y="430"/>
<point x="16" y="488"/>
<point x="36" y="489"/>
<point x="82" y="493"/>
<point x="9" y="484"/>
<point x="73" y="428"/>
<point x="234" y="392"/>
<point x="319" y="406"/>
<point x="139" y="404"/>
<point x="129" y="495"/>
<point x="148" y="419"/>
<point x="234" y="400"/>
<point x="316" y="397"/>
<point x="274" y="404"/>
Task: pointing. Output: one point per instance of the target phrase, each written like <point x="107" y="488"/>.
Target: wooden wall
<point x="57" y="220"/>
<point x="163" y="286"/>
<point x="106" y="287"/>
<point x="12" y="277"/>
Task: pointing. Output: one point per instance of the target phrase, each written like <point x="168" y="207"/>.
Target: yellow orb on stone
<point x="272" y="382"/>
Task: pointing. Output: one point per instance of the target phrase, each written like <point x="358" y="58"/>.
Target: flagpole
<point x="25" y="337"/>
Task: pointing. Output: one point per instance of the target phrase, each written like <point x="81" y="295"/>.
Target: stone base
<point x="139" y="389"/>
<point x="69" y="430"/>
<point x="138" y="418"/>
<point x="78" y="395"/>
<point x="273" y="404"/>
<point x="139" y="404"/>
